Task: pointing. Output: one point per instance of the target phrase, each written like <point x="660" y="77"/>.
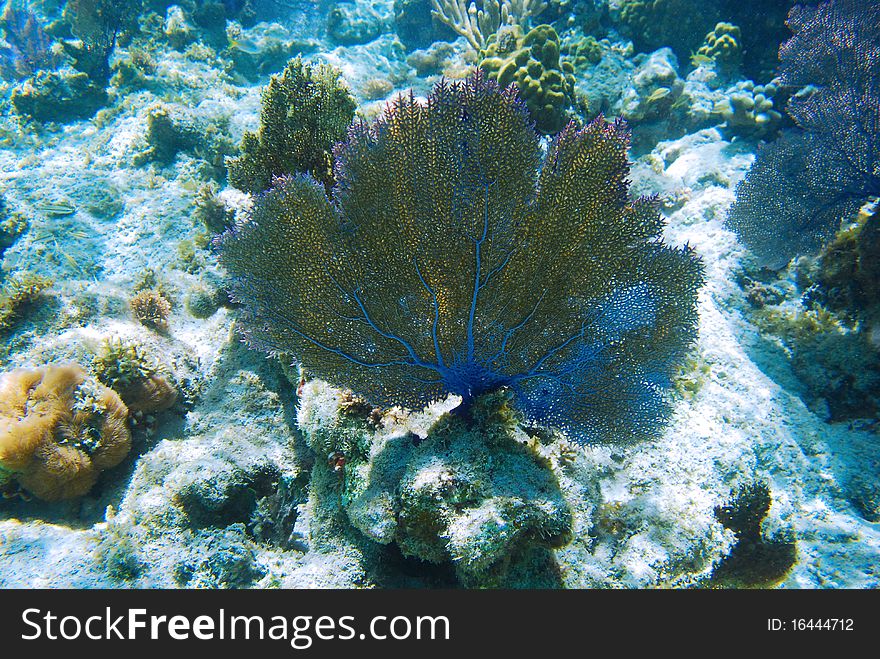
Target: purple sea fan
<point x="453" y="260"/>
<point x="28" y="49"/>
<point x="814" y="176"/>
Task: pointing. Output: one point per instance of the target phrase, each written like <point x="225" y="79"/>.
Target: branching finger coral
<point x="453" y="261"/>
<point x="59" y="429"/>
<point x="478" y="25"/>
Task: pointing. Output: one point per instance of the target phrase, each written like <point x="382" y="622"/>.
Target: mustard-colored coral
<point x="723" y="45"/>
<point x="532" y="61"/>
<point x="59" y="429"/>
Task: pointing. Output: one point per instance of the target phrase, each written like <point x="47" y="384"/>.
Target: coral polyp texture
<point x="305" y="111"/>
<point x="59" y="429"/>
<point x="532" y="62"/>
<point x="454" y="260"/>
<point x="816" y="175"/>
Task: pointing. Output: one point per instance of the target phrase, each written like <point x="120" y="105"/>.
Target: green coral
<point x="652" y="24"/>
<point x="723" y="44"/>
<point x="17" y="292"/>
<point x="305" y="111"/>
<point x="532" y="61"/>
<point x="584" y="52"/>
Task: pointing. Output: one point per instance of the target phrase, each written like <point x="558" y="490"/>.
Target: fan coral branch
<point x="803" y="185"/>
<point x="453" y="261"/>
<point x="28" y="49"/>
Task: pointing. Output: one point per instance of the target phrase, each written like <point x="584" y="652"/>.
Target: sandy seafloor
<point x="743" y="421"/>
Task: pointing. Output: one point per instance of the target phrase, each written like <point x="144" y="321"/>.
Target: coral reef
<point x="59" y="430"/>
<point x="172" y="130"/>
<point x="848" y="277"/>
<point x="532" y="61"/>
<point x="654" y="90"/>
<point x="304" y="112"/>
<point x="479" y="25"/>
<point x="582" y="52"/>
<point x="27" y="49"/>
<point x="129" y="372"/>
<point x="12" y="225"/>
<point x="151" y="309"/>
<point x="652" y="24"/>
<point x="814" y="176"/>
<point x="765" y="31"/>
<point x="476" y="497"/>
<point x="586" y="336"/>
<point x="264" y="49"/>
<point x="416" y="27"/>
<point x="750" y="110"/>
<point x="17" y="292"/>
<point x="358" y="22"/>
<point x="723" y="46"/>
<point x="837" y="364"/>
<point x="58" y="96"/>
<point x="754" y="561"/>
<point x="99" y="24"/>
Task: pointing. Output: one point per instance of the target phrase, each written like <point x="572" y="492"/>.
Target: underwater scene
<point x="440" y="294"/>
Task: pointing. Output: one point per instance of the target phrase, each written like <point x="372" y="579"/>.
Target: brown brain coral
<point x="59" y="429"/>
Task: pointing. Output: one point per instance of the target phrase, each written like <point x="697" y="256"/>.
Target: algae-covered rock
<point x="172" y="129"/>
<point x="470" y="493"/>
<point x="58" y="96"/>
<point x="532" y="61"/>
<point x="263" y="49"/>
<point x="350" y="23"/>
<point x="679" y="24"/>
<point x="655" y="88"/>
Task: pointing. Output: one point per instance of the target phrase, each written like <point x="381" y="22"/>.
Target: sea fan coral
<point x="453" y="261"/>
<point x="27" y="48"/>
<point x="802" y="185"/>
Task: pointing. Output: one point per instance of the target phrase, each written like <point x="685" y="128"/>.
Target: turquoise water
<point x="400" y="293"/>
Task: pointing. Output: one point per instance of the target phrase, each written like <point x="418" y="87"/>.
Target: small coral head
<point x="456" y="259"/>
